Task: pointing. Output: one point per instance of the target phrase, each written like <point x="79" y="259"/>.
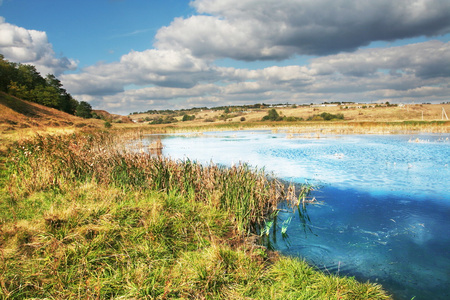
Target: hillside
<point x="111" y="117"/>
<point x="19" y="118"/>
<point x="355" y="112"/>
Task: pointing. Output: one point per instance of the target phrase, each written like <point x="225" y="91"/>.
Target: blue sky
<point x="134" y="55"/>
<point x="91" y="31"/>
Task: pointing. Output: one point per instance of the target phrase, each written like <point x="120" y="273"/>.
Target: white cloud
<point x="426" y="60"/>
<point x="416" y="72"/>
<point x="273" y="29"/>
<point x="167" y="68"/>
<point x="18" y="44"/>
<point x="180" y="71"/>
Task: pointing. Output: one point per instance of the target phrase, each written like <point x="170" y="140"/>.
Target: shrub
<point x="188" y="118"/>
<point x="292" y="119"/>
<point x="165" y="120"/>
<point x="326" y="117"/>
<point x="272" y="115"/>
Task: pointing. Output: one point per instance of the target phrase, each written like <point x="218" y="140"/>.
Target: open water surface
<point x="383" y="211"/>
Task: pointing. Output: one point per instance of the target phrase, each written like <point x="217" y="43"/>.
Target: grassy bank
<point x="83" y="218"/>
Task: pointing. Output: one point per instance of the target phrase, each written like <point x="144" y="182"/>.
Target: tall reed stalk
<point x="63" y="162"/>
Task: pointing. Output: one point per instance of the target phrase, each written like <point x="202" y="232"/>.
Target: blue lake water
<point x="384" y="201"/>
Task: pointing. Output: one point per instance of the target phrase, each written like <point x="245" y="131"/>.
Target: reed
<point x="64" y="162"/>
<point x="330" y="127"/>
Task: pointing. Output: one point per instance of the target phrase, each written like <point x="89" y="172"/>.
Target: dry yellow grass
<point x="357" y="119"/>
<point x="360" y="112"/>
<point x="21" y="119"/>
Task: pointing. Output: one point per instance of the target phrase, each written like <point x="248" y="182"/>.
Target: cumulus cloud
<point x="26" y="46"/>
<point x="425" y="60"/>
<point x="416" y="72"/>
<point x="156" y="97"/>
<point x="166" y="68"/>
<point x="180" y="70"/>
<point x="273" y="29"/>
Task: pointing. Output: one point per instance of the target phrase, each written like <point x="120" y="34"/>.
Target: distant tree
<point x="84" y="110"/>
<point x="272" y="115"/>
<point x="19" y="90"/>
<point x="30" y="77"/>
<point x="188" y="117"/>
<point x="68" y="104"/>
<point x="25" y="82"/>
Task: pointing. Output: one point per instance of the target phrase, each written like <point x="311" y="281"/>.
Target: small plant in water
<point x="285" y="225"/>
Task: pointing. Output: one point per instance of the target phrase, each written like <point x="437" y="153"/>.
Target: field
<point x="357" y="113"/>
<point x="20" y="119"/>
<point x="357" y="119"/>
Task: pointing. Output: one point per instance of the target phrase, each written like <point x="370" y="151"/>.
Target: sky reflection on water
<point x="385" y="201"/>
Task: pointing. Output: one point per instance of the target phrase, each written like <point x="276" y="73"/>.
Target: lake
<point x="383" y="201"/>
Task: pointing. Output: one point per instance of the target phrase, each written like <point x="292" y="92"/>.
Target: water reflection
<point x="155" y="147"/>
<point x="151" y="144"/>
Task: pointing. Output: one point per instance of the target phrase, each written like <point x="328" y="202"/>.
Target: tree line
<point x="25" y="82"/>
<point x="226" y="109"/>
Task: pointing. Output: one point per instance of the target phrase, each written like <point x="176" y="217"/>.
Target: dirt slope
<point x="16" y="113"/>
<point x="19" y="119"/>
<point x="112" y="117"/>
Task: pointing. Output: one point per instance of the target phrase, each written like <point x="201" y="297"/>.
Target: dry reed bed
<point x="327" y="127"/>
<point x="63" y="162"/>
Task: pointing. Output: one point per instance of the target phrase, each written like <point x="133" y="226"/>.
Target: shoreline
<point x="109" y="233"/>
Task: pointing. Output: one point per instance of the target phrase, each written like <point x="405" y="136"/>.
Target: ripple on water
<point x="386" y="201"/>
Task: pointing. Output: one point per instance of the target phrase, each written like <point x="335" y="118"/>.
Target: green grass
<point x="82" y="219"/>
<point x="103" y="242"/>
